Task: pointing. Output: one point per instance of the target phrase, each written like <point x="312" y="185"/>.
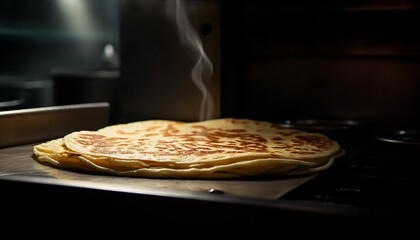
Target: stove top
<point x="383" y="178"/>
<point x="376" y="182"/>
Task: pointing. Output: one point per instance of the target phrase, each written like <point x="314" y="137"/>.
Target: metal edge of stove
<point x="281" y="205"/>
<point x="44" y="123"/>
<point x="204" y="212"/>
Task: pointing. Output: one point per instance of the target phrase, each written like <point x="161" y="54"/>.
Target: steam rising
<point x="203" y="68"/>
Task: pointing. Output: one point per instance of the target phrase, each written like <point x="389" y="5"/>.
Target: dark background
<point x="325" y="59"/>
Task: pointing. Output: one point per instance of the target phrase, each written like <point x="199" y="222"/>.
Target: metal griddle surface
<point x="17" y="163"/>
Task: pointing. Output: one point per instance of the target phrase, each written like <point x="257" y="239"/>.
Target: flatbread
<point x="209" y="149"/>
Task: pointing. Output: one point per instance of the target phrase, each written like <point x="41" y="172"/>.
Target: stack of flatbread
<point x="219" y="148"/>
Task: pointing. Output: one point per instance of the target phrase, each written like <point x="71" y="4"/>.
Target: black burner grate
<point x="385" y="176"/>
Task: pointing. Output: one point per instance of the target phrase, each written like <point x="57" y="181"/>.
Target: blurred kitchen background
<point x="272" y="60"/>
<point x="41" y="38"/>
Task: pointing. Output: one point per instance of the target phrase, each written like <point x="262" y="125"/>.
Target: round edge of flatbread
<point x="55" y="153"/>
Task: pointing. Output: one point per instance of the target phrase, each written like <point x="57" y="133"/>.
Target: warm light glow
<point x="76" y="14"/>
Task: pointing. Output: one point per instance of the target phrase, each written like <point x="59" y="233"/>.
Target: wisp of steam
<point x="203" y="68"/>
